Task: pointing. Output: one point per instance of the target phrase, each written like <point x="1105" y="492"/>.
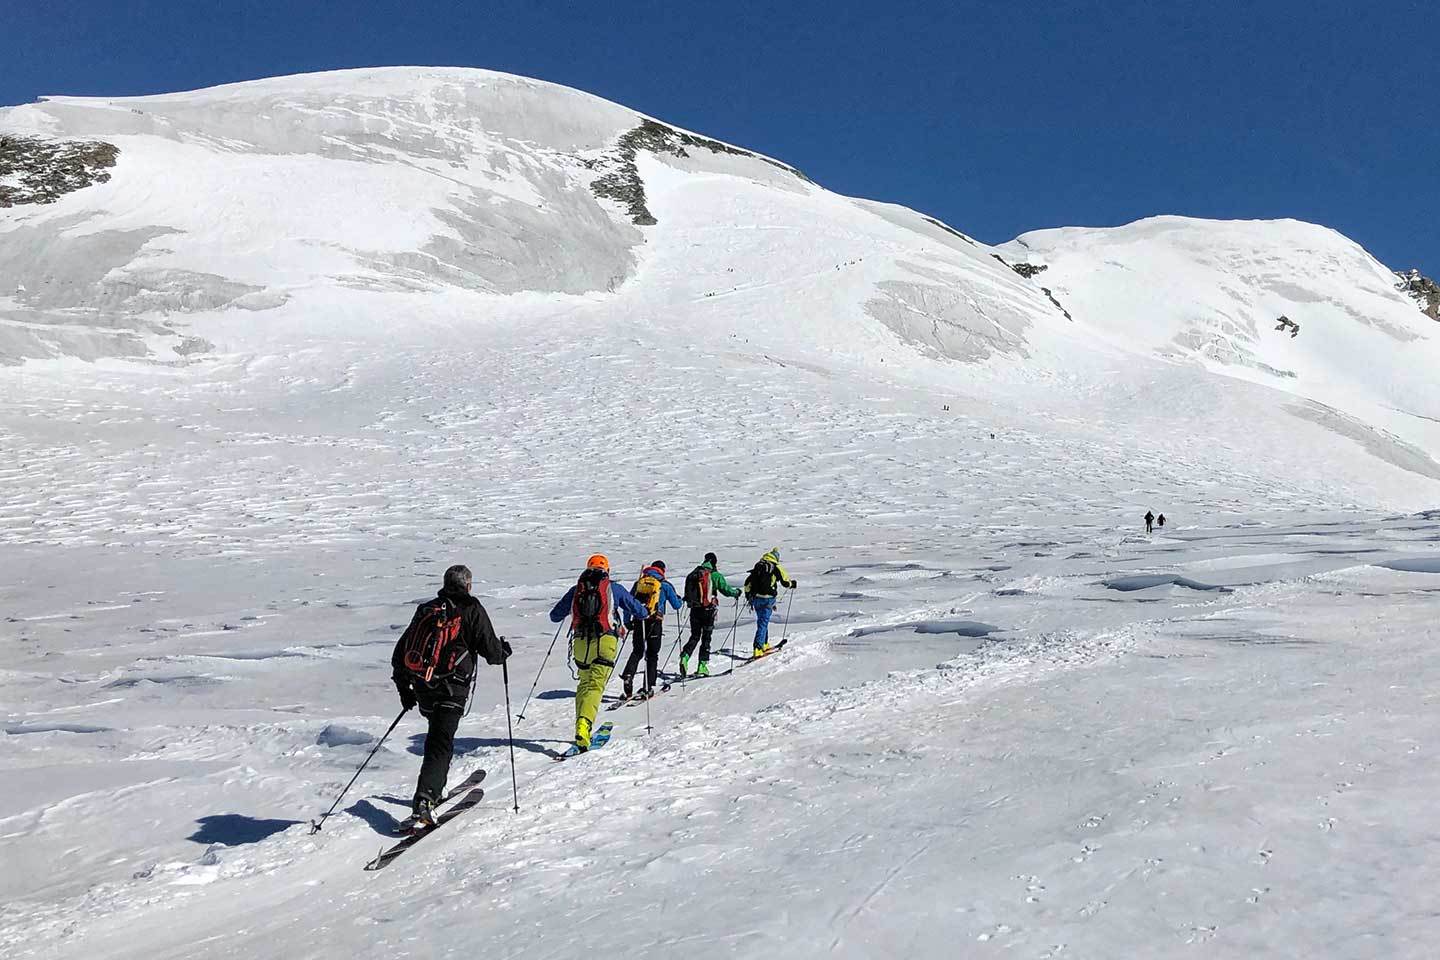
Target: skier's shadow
<point x="556" y="695"/>
<point x="380" y="821"/>
<point x="530" y="746"/>
<point x="236" y="829"/>
<point x="464" y="745"/>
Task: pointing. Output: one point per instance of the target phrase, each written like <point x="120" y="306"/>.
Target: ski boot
<point x="422" y="817"/>
<point x="629" y="690"/>
<point x="684" y="665"/>
<point x="703" y="670"/>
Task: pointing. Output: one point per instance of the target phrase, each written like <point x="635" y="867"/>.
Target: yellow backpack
<point x="647" y="591"/>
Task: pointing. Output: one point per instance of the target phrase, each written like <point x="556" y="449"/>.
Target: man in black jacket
<point x="434" y="668"/>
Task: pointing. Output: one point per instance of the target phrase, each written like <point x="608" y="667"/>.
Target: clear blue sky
<point x="998" y="117"/>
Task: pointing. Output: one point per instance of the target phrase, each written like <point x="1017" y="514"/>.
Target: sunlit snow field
<point x="207" y="575"/>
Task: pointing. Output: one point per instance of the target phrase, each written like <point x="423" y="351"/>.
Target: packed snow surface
<point x="1006" y="722"/>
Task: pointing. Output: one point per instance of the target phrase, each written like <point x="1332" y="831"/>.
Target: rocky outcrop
<point x="33" y="170"/>
<point x="622" y="182"/>
<point x="1028" y="271"/>
<point x="1424" y="291"/>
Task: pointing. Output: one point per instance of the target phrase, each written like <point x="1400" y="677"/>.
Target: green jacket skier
<point x="703" y="589"/>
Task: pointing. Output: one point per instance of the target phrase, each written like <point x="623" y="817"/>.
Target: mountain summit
<point x="401" y="205"/>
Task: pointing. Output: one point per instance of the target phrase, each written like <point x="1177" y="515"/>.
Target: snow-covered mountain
<point x="303" y="201"/>
<point x="1292" y="305"/>
<point x="397" y="205"/>
<point x="273" y="355"/>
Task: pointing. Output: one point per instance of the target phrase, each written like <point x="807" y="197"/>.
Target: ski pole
<point x="649" y="686"/>
<point x="510" y="727"/>
<point x="521" y="714"/>
<point x="316" y="824"/>
<point x="785" y="633"/>
<point x="730" y="637"/>
<point x="674" y="646"/>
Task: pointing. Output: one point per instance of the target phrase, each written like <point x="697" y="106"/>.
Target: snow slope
<point x="987" y="733"/>
<point x="1212" y="291"/>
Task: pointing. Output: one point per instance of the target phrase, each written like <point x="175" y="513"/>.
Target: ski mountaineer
<point x="703" y="589"/>
<point x="655" y="593"/>
<point x="594" y="606"/>
<point x="761" y="587"/>
<point x="1160" y="520"/>
<point x="1149" y="521"/>
<point x="433" y="667"/>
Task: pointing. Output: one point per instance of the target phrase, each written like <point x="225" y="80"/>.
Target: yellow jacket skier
<point x="594" y="606"/>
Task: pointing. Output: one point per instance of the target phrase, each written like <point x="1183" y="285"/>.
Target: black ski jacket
<point x="479" y="635"/>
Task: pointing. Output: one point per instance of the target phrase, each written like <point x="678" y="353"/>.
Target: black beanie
<point x="660" y="564"/>
<point x="711" y="559"/>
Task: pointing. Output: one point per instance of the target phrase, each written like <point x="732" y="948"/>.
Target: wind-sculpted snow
<point x="1144" y="581"/>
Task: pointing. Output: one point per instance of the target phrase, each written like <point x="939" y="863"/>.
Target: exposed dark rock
<point x="622" y="181"/>
<point x="948" y="229"/>
<point x="1028" y="271"/>
<point x="33" y="170"/>
<point x="1058" y="305"/>
<point x="1422" y="290"/>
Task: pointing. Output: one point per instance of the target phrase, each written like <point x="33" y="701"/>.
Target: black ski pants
<point x="439" y="749"/>
<point x="645" y="641"/>
<point x="702" y="629"/>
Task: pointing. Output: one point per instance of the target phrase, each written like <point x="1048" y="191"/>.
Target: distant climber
<point x="761" y="588"/>
<point x="433" y="667"/>
<point x="1149" y="521"/>
<point x="654" y="592"/>
<point x="594" y="606"/>
<point x="703" y="589"/>
<point x="1160" y="520"/>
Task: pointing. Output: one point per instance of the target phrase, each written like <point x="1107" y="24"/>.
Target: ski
<point x="473" y="780"/>
<point x="769" y="653"/>
<point x="668" y="685"/>
<point x="386" y="857"/>
<point x="597" y="740"/>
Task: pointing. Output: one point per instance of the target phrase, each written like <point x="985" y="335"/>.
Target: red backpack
<point x="698" y="590"/>
<point x="432" y="646"/>
<point x="590" y="610"/>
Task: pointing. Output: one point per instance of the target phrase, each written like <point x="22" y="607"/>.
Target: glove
<point x="793" y="584"/>
<point x="505" y="649"/>
<point x="407" y="696"/>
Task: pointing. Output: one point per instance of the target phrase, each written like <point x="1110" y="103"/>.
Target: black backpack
<point x="591" y="607"/>
<point x="762" y="578"/>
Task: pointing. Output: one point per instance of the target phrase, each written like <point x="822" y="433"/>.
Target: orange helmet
<point x="598" y="562"/>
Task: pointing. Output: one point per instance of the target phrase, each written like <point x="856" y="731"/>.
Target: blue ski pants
<point x="764" y="608"/>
